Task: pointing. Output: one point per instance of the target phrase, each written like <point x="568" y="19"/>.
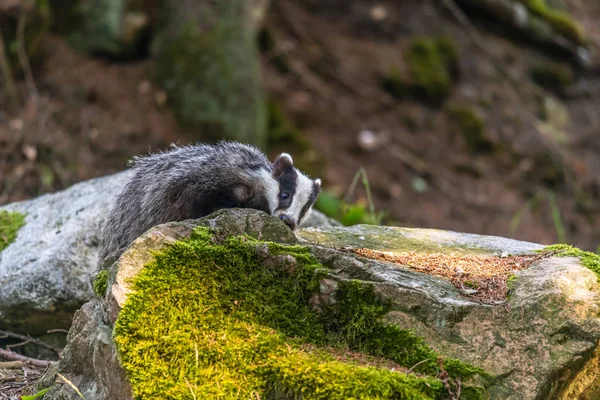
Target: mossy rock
<point x="471" y="125"/>
<point x="560" y="21"/>
<point x="250" y="327"/>
<point x="553" y="76"/>
<point x="433" y="65"/>
<point x="10" y="223"/>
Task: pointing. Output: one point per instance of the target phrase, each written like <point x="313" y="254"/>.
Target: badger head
<point x="296" y="192"/>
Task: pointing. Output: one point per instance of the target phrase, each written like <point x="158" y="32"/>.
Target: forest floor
<point x="537" y="178"/>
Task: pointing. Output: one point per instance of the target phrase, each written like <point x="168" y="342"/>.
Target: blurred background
<point x="470" y="115"/>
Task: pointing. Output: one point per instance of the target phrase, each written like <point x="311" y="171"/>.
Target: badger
<point x="193" y="181"/>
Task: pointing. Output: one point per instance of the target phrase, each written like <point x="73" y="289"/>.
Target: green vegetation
<point x="469" y="123"/>
<point x="553" y="76"/>
<point x="10" y="223"/>
<point x="101" y="283"/>
<point x="561" y="21"/>
<point x="432" y="64"/>
<point x="214" y="309"/>
<point x="346" y="212"/>
<point x="588" y="259"/>
<point x="37" y="395"/>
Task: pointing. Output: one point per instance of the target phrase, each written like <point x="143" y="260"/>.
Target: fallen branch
<point x="28" y="339"/>
<point x="12" y="364"/>
<point x="12" y="356"/>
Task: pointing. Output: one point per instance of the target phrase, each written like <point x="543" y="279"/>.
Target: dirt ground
<point x="92" y="115"/>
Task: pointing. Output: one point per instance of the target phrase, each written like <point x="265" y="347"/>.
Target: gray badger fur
<point x="194" y="181"/>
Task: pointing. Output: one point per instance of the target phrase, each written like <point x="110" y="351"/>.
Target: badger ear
<point x="318" y="183"/>
<point x="281" y="164"/>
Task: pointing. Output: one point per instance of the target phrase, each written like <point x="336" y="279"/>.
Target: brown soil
<point x="92" y="115"/>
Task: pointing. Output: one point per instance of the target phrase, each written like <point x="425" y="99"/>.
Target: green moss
<point x="510" y="282"/>
<point x="355" y="318"/>
<point x="561" y="21"/>
<point x="552" y="76"/>
<point x="470" y="125"/>
<point x="432" y="64"/>
<point x="10" y="223"/>
<point x="210" y="318"/>
<point x="588" y="259"/>
<point x="101" y="283"/>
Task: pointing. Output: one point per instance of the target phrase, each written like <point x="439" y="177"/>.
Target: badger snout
<point x="289" y="221"/>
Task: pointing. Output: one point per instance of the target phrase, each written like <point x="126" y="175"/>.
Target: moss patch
<point x="560" y="21"/>
<point x="553" y="76"/>
<point x="433" y="63"/>
<point x="101" y="283"/>
<point x="470" y="124"/>
<point x="588" y="259"/>
<point x="213" y="318"/>
<point x="10" y="223"/>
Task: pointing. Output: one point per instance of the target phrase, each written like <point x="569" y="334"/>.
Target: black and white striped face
<point x="297" y="192"/>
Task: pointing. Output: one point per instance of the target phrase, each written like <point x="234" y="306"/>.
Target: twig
<point x="29" y="339"/>
<point x="416" y="365"/>
<point x="10" y="346"/>
<point x="68" y="382"/>
<point x="12" y="356"/>
<point x="57" y="330"/>
<point x="7" y="75"/>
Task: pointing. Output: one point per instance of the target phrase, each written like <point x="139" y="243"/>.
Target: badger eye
<point x="284" y="195"/>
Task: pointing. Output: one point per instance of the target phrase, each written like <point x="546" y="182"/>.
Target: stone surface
<point x="543" y="343"/>
<point x="45" y="272"/>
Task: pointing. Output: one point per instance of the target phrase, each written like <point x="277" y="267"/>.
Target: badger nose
<point x="289" y="221"/>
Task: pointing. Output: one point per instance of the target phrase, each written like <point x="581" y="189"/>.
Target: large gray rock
<point x="45" y="272"/>
<point x="541" y="342"/>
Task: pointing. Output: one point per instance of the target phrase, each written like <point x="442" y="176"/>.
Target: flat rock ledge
<point x="540" y="343"/>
